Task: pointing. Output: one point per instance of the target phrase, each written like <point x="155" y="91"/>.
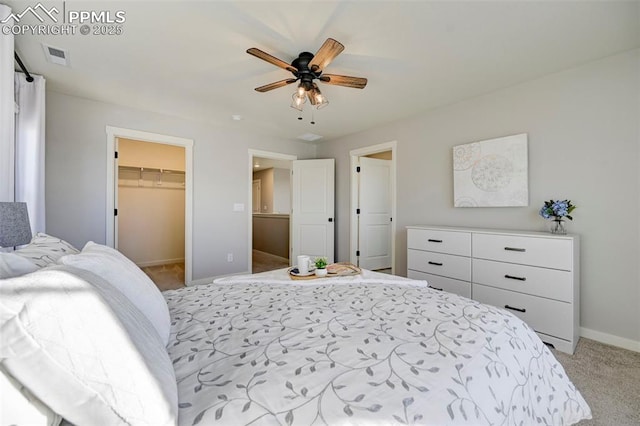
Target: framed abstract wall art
<point x="491" y="173"/>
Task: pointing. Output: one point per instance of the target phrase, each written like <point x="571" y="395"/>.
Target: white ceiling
<point x="188" y="58"/>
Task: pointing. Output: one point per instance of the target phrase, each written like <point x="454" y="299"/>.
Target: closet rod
<point x="22" y="67"/>
<point x="151" y="170"/>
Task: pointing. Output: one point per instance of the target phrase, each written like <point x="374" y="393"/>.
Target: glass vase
<point x="557" y="226"/>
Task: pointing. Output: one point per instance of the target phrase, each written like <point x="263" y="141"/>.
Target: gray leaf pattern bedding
<point x="366" y="351"/>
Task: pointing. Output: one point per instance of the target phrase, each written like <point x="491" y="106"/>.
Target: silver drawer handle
<point x="435" y="263"/>
<point x="434" y="241"/>
<point x="511" y="277"/>
<point x="515" y="309"/>
<point x="515" y="249"/>
<point x="436" y="288"/>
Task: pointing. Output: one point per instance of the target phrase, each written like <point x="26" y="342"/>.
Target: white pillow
<point x="12" y="265"/>
<point x="124" y="275"/>
<point x="45" y="250"/>
<point x="82" y="348"/>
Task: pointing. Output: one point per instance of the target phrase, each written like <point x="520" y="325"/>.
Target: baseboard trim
<point x="610" y="339"/>
<point x="159" y="262"/>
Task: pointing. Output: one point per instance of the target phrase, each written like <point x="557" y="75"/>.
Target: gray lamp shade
<point x="15" y="229"/>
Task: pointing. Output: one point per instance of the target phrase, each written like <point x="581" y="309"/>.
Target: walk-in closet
<point x="151" y="209"/>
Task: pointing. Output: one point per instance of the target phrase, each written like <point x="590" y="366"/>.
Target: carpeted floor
<point x="609" y="380"/>
<point x="263" y="262"/>
<point x="166" y="277"/>
<point x="169" y="277"/>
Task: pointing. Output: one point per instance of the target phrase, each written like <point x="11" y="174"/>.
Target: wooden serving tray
<point x="340" y="269"/>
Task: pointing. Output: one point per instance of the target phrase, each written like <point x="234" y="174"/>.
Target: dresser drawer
<point x="449" y="242"/>
<point x="543" y="315"/>
<point x="549" y="283"/>
<point x="552" y="253"/>
<point x="447" y="265"/>
<point x="436" y="282"/>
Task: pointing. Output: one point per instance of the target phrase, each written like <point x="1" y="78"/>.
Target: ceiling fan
<point x="306" y="68"/>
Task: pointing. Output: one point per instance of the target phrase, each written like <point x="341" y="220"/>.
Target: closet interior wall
<point x="151" y="202"/>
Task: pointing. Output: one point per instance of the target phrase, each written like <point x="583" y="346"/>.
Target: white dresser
<point x="534" y="275"/>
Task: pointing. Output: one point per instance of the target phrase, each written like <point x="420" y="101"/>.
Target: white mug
<point x="304" y="263"/>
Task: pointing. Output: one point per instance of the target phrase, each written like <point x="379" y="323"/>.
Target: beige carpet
<point x="263" y="262"/>
<point x="171" y="276"/>
<point x="166" y="277"/>
<point x="609" y="380"/>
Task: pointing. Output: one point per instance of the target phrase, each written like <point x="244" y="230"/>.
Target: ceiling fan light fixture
<point x="323" y="103"/>
<point x="307" y="84"/>
<point x="319" y="100"/>
<point x="307" y="68"/>
<point x="298" y="101"/>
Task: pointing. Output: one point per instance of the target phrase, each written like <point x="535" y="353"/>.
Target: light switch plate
<point x="238" y="207"/>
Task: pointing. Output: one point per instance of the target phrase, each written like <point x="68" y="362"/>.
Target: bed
<point x="371" y="349"/>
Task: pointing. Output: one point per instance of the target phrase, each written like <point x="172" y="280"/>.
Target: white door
<point x="256" y="195"/>
<point x="375" y="213"/>
<point x="312" y="213"/>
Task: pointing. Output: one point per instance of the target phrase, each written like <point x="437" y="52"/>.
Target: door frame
<point x="259" y="181"/>
<point x="113" y="133"/>
<point x="274" y="156"/>
<point x="355" y="154"/>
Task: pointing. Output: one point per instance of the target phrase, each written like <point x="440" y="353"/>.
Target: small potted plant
<point x="321" y="266"/>
<point x="557" y="211"/>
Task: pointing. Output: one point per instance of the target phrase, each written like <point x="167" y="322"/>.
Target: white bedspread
<point x="372" y="349"/>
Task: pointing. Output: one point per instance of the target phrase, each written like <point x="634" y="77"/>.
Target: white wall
<point x="151" y="205"/>
<point x="266" y="189"/>
<point x="583" y="127"/>
<point x="151" y="224"/>
<point x="282" y="191"/>
<point x="76" y="161"/>
<point x="275" y="191"/>
<point x="152" y="155"/>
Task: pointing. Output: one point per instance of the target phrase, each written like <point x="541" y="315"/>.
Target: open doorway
<point x="373" y="207"/>
<point x="270" y="238"/>
<point x="148" y="173"/>
<point x="151" y="200"/>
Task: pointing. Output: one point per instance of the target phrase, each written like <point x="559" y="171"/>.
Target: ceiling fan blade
<point x="327" y="52"/>
<point x="344" y="80"/>
<point x="271" y="59"/>
<point x="275" y="85"/>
